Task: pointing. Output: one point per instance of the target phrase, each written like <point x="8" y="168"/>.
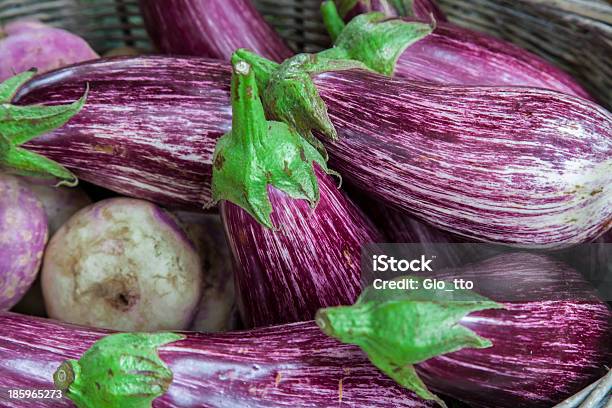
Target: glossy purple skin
<point x="294" y="365"/>
<point x="148" y="129"/>
<point x="31" y="44"/>
<point x="23" y="235"/>
<point x="512" y="165"/>
<point x="455" y="55"/>
<point x="421" y="9"/>
<point x="311" y="261"/>
<point x="552" y="340"/>
<point x="211" y="28"/>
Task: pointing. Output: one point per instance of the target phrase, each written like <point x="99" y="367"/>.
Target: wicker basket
<point x="573" y="34"/>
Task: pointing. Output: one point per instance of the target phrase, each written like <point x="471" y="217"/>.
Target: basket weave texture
<point x="576" y="35"/>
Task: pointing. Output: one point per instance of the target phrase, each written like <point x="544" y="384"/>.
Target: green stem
<point x="119" y="370"/>
<point x="263" y="68"/>
<point x="248" y="117"/>
<point x="258" y="153"/>
<point x="332" y="20"/>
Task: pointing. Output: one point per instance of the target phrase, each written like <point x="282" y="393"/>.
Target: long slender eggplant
<point x="293" y="365"/>
<point x="421" y="9"/>
<point x="552" y="337"/>
<point x="211" y="28"/>
<point x="514" y="165"/>
<point x="311" y="261"/>
<point x="286" y="249"/>
<point x="447" y="54"/>
<point x="148" y="129"/>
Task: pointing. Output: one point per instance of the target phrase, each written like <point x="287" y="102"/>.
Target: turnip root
<point x="216" y="311"/>
<point x="31" y="44"/>
<point x="23" y="235"/>
<point x="122" y="264"/>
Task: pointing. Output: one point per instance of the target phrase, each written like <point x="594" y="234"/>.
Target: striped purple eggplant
<point x="311" y="260"/>
<point x="421" y="9"/>
<point x="296" y="239"/>
<point x="445" y="54"/>
<point x="513" y="165"/>
<point x="548" y="336"/>
<point x="455" y="55"/>
<point x="552" y="339"/>
<point x="293" y="365"/>
<point x="211" y="28"/>
<point x="148" y="129"/>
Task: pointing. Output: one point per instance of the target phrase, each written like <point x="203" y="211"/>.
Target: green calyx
<point x="400" y="328"/>
<point x="290" y="95"/>
<point x="258" y="153"/>
<point x="120" y="370"/>
<point x="372" y="38"/>
<point x="20" y="124"/>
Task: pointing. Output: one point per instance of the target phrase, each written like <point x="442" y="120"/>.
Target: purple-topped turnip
<point x="123" y="264"/>
<point x="31" y="44"/>
<point x="23" y="235"/>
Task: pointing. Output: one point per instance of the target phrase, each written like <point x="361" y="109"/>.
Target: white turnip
<point x="122" y="264"/>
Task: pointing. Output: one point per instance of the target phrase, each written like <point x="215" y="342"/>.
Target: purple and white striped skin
<point x="513" y="165"/>
<point x="553" y="338"/>
<point x="31" y="44"/>
<point x="311" y="260"/>
<point x="421" y="9"/>
<point x="294" y="365"/>
<point x="23" y="235"/>
<point x="455" y="55"/>
<point x="148" y="129"/>
<point x="211" y="28"/>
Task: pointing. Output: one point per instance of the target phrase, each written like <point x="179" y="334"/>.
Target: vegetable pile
<point x="233" y="196"/>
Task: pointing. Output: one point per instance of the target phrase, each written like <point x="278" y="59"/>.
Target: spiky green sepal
<point x="400" y="328"/>
<point x="292" y="97"/>
<point x="258" y="153"/>
<point x="20" y="124"/>
<point x="120" y="370"/>
<point x="372" y="38"/>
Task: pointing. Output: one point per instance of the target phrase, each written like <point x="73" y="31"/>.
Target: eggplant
<point x="311" y="260"/>
<point x="292" y="242"/>
<point x="421" y="9"/>
<point x="552" y="337"/>
<point x="148" y="129"/>
<point x="510" y="165"/>
<point x="211" y="28"/>
<point x="522" y="166"/>
<point x="281" y="366"/>
<point x="445" y="54"/>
